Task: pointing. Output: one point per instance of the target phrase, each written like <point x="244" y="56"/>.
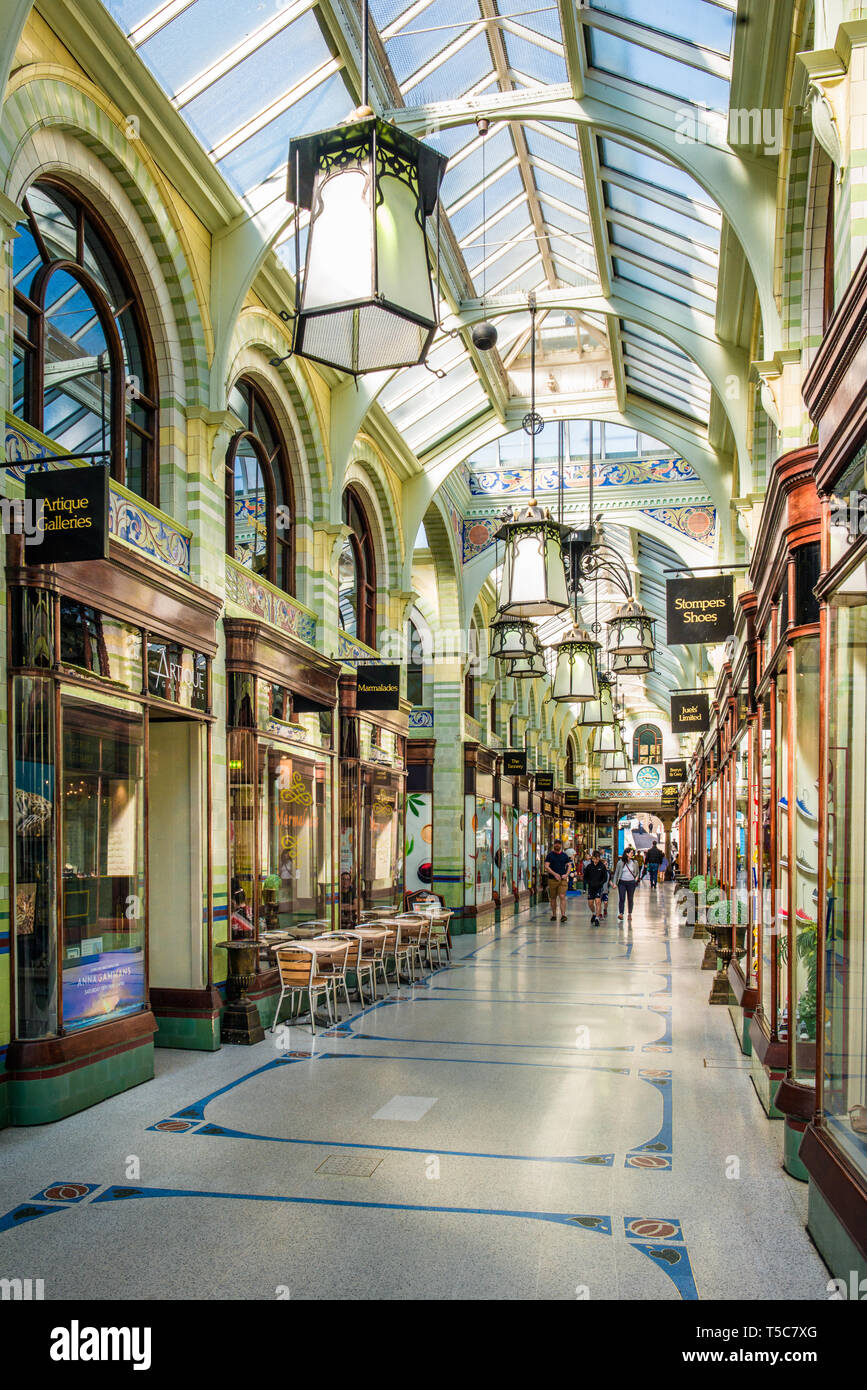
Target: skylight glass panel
<point x="265" y="153"/>
<point x="627" y="160"/>
<point x="500" y="191"/>
<point x="130" y="13"/>
<point x="667" y="382"/>
<point x="537" y="63"/>
<point x="559" y="188"/>
<point x="454" y="76"/>
<point x="204" y="33"/>
<point x="638" y="276"/>
<point x="562" y="156"/>
<point x="647" y="335"/>
<point x="417" y="44"/>
<point x="257" y="82"/>
<point x="665" y="255"/>
<point x="647" y="210"/>
<point x="694" y="21"/>
<point x="660" y="361"/>
<point x="678" y="403"/>
<point x="441" y="418"/>
<point x="614" y="55"/>
<point x="556" y="217"/>
<point x="468" y="171"/>
<point x="511" y="225"/>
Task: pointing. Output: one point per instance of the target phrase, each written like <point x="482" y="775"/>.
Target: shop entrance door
<point x="177" y="827"/>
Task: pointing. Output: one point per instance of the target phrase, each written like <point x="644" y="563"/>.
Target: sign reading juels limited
<point x="73" y="503"/>
<point x="699" y="610"/>
<point x="377" y="687"/>
<point x="689" y="714"/>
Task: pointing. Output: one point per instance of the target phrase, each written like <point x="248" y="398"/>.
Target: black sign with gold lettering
<point x="699" y="610"/>
<point x="690" y="714"/>
<point x="571" y="798"/>
<point x="73" y="506"/>
<point x="544" y="781"/>
<point x="675" y="772"/>
<point x="514" y="762"/>
<point x="670" y="793"/>
<point x="377" y="687"/>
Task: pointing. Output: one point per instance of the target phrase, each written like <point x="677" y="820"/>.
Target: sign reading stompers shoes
<point x="73" y="504"/>
<point x="377" y="687"/>
<point x="690" y="714"/>
<point x="699" y="610"/>
<point x="514" y="763"/>
<point x="675" y="771"/>
<point x="544" y="782"/>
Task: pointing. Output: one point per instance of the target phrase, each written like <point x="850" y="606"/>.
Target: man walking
<point x="557" y="867"/>
<point x="652" y="861"/>
<point x="595" y="879"/>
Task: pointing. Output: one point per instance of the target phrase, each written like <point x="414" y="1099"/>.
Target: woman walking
<point x="626" y="879"/>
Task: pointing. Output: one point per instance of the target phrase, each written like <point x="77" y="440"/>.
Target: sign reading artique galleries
<point x="699" y="610"/>
<point x="377" y="687"/>
<point x="514" y="763"/>
<point x="73" y="504"/>
<point x="675" y="771"/>
<point x="689" y="714"/>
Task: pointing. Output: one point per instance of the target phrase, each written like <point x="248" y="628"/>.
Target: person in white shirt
<point x="626" y="878"/>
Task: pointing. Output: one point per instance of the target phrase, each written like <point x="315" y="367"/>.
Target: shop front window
<point x="505" y="850"/>
<point x="782" y="882"/>
<point x="356" y="574"/>
<point x="845" y="906"/>
<point x="382" y="839"/>
<point x="294" y="835"/>
<point x="805" y="870"/>
<point x="766" y="862"/>
<point x="35" y="859"/>
<point x="102" y="847"/>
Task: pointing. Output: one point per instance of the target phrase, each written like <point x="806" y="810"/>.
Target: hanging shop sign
<point x="544" y="782"/>
<point x="699" y="610"/>
<point x="377" y="687"/>
<point x="571" y="797"/>
<point x="670" y="794"/>
<point x="70" y="511"/>
<point x="514" y="763"/>
<point x="690" y="714"/>
<point x="675" y="771"/>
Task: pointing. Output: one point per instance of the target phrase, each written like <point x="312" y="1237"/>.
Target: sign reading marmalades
<point x="544" y="781"/>
<point x="690" y="714"/>
<point x="377" y="687"/>
<point x="676" y="771"/>
<point x="74" y="515"/>
<point x="514" y="762"/>
<point x="699" y="610"/>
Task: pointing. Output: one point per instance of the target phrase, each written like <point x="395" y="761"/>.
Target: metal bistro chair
<point x="419" y="943"/>
<point x="334" y="970"/>
<point x="369" y="957"/>
<point x="395" y="946"/>
<point x="439" y="935"/>
<point x="298" y="972"/>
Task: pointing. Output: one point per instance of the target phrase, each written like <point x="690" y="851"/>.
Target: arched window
<point x="646" y="745"/>
<point x="356" y="582"/>
<point x="570" y="764"/>
<point x="260" y="512"/>
<point x="495" y="730"/>
<point x="84" y="370"/>
<point x="414" y="665"/>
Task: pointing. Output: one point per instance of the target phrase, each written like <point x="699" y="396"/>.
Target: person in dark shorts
<point x="595" y="880"/>
<point x="557" y="866"/>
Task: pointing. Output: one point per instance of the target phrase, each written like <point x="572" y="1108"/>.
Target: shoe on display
<point x="784" y="802"/>
<point x="802" y="864"/>
<point x="805" y="810"/>
<point x="815" y="895"/>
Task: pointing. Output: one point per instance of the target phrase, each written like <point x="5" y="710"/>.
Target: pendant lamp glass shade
<point x="612" y="762"/>
<point x="533" y="583"/>
<point x="606" y="740"/>
<point x="632" y="663"/>
<point x="527" y="666"/>
<point x="512" y="638"/>
<point x="622" y="774"/>
<point x="631" y="629"/>
<point x="576" y="675"/>
<point x="594" y="713"/>
<point x="367" y="302"/>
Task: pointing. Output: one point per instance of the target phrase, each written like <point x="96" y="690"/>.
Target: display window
<point x="845" y="906"/>
<point x="777" y="965"/>
<point x="506" y="874"/>
<point x="768" y="822"/>
<point x="522" y="853"/>
<point x="802" y="940"/>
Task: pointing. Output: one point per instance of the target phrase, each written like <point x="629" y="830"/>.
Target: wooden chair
<point x="334" y="968"/>
<point x="439" y="936"/>
<point x="418" y="942"/>
<point x="365" y="960"/>
<point x="400" y="949"/>
<point x="298" y="973"/>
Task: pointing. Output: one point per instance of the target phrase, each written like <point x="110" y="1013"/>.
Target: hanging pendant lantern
<point x="606" y="739"/>
<point x="576" y="675"/>
<point x="594" y="713"/>
<point x="631" y="629"/>
<point x="632" y="663"/>
<point x="531" y="665"/>
<point x="616" y="761"/>
<point x="367" y="301"/>
<point x="513" y="638"/>
<point x="533" y="584"/>
<point x="623" y="774"/>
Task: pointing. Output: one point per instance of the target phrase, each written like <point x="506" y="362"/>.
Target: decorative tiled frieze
<point x="257" y="596"/>
<point x="698" y="523"/>
<point x="349" y="649"/>
<point x="420" y="718"/>
<point x="131" y="519"/>
<point x="516" y="481"/>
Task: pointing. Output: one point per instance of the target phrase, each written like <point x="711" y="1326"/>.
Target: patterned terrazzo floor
<point x="559" y="1114"/>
